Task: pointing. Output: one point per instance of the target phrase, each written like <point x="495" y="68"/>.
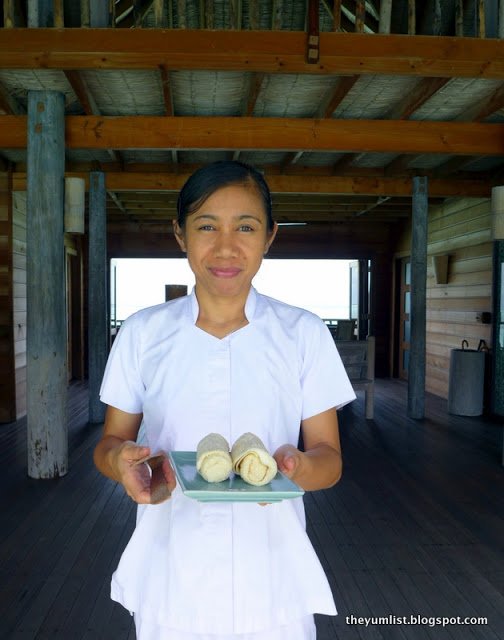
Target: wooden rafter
<point x="288" y="134"/>
<point x="423" y="91"/>
<point x="80" y="88"/>
<point x="475" y="113"/>
<point x="262" y="51"/>
<point x="336" y="96"/>
<point x="295" y="184"/>
<point x="168" y="102"/>
<point x="9" y="104"/>
<point x="481" y="110"/>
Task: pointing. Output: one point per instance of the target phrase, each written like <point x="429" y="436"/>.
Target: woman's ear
<point x="179" y="236"/>
<point x="270" y="238"/>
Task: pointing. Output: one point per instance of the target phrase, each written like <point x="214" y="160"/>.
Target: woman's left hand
<point x="289" y="460"/>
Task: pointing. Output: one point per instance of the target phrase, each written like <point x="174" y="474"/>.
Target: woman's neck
<point x="220" y="316"/>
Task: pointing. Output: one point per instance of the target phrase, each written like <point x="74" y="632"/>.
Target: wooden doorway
<point x="404" y="317"/>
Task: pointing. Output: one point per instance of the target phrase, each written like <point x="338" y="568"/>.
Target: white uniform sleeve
<point x="122" y="385"/>
<point x="324" y="381"/>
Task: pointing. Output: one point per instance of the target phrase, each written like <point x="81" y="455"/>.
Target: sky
<point x="321" y="286"/>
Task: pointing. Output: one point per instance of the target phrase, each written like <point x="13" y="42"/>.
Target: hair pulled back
<point x="212" y="177"/>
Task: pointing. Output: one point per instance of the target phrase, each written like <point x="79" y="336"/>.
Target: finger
<point x="136" y="454"/>
<point x="169" y="474"/>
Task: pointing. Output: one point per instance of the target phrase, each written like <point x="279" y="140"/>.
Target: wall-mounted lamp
<point x="440" y="264"/>
<point x="75" y="203"/>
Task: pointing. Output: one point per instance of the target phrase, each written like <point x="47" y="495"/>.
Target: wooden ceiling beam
<point x="286" y="134"/>
<point x="261" y="51"/>
<point x="294" y="184"/>
<point x="336" y="96"/>
<point x="422" y="92"/>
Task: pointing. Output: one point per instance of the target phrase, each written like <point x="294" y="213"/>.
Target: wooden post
<point x="416" y="373"/>
<point x="40" y="13"/>
<point x="360" y="16"/>
<point x="411" y="18"/>
<point x="481" y="19"/>
<point x="337" y="15"/>
<point x="459" y="18"/>
<point x="46" y="317"/>
<point x="99" y="13"/>
<point x="313" y="37"/>
<point x="98" y="328"/>
<point x="385" y="16"/>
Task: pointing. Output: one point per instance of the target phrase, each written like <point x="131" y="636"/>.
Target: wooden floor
<point x="414" y="528"/>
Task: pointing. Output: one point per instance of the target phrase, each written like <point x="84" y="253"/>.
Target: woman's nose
<point x="225" y="244"/>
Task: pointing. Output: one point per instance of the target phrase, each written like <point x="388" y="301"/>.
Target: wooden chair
<point x="358" y="358"/>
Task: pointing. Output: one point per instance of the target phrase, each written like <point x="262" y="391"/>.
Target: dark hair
<point x="208" y="179"/>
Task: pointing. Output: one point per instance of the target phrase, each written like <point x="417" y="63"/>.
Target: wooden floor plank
<point x="414" y="528"/>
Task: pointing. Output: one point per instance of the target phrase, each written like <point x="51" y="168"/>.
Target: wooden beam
<point x="336" y="96"/>
<point x="167" y="94"/>
<point x="9" y="104"/>
<point x="85" y="97"/>
<point x="81" y="90"/>
<point x="481" y="110"/>
<point x="422" y="92"/>
<point x="287" y="134"/>
<point x="294" y="184"/>
<point x="262" y="51"/>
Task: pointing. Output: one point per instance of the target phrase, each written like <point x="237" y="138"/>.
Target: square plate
<point x="233" y="490"/>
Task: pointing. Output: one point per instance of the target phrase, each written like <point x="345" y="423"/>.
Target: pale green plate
<point x="232" y="490"/>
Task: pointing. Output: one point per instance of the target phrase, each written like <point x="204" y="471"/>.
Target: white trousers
<point x="303" y="629"/>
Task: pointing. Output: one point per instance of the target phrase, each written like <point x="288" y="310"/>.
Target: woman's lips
<point x="225" y="272"/>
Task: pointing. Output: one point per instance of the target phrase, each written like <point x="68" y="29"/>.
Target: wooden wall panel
<point x="7" y="386"/>
<point x="19" y="298"/>
<point x="462" y="229"/>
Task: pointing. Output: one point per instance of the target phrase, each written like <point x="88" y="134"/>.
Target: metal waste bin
<point x="466" y="382"/>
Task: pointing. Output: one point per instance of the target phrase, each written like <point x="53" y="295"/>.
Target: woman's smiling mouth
<point x="224" y="272"/>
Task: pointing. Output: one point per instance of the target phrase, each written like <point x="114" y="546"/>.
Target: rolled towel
<point x="213" y="461"/>
<point x="252" y="460"/>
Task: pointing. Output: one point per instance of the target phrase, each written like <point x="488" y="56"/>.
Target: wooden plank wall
<point x="461" y="229"/>
<point x="19" y="297"/>
<point x="7" y="390"/>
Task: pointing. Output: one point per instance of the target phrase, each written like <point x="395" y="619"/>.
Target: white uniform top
<point x="223" y="568"/>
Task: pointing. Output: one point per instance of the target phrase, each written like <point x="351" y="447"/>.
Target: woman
<point x="224" y="359"/>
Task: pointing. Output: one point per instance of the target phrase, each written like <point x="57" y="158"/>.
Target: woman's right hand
<point x="120" y="458"/>
<point x="146" y="479"/>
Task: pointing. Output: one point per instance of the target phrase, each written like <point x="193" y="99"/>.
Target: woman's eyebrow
<point x="205" y="215"/>
<point x="249" y="216"/>
<point x="243" y="216"/>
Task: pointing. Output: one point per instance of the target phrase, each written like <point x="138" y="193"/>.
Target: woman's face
<point x="225" y="240"/>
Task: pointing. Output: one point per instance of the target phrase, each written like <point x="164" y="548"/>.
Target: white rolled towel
<point x="252" y="460"/>
<point x="213" y="461"/>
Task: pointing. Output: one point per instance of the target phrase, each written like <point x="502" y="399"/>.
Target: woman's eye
<point x="205" y="227"/>
<point x="246" y="227"/>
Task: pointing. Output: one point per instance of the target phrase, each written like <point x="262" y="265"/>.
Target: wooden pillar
<point x="99" y="13"/>
<point x="46" y="317"/>
<point x="385" y="16"/>
<point x="98" y="329"/>
<point x="416" y="373"/>
<point x="40" y="13"/>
